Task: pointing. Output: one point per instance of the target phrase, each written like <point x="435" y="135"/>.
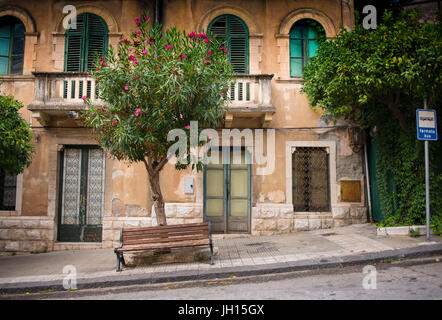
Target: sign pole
<point x="427" y="182"/>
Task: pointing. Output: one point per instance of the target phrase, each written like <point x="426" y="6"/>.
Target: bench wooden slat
<point x="192" y="243"/>
<point x="171" y="226"/>
<point x="169" y="239"/>
<point x="164" y="235"/>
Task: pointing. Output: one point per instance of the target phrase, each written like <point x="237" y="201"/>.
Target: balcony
<point x="57" y="95"/>
<point x="251" y="102"/>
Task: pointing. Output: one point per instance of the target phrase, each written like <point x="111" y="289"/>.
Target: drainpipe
<point x="367" y="178"/>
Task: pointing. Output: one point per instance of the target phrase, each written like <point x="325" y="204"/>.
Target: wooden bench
<point x="164" y="237"/>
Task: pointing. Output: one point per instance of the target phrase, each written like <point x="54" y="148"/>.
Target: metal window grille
<point x="8" y="185"/>
<point x="310" y="183"/>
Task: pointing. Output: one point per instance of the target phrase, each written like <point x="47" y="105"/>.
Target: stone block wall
<point x="26" y="234"/>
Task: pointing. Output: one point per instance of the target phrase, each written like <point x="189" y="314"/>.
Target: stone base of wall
<point x="26" y="234"/>
<point x="268" y="219"/>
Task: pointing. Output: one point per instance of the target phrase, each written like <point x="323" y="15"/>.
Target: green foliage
<point x="155" y="82"/>
<point x="361" y="67"/>
<point x="378" y="79"/>
<point x="15" y="137"/>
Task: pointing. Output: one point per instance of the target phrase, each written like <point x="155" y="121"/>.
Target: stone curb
<point x="188" y="275"/>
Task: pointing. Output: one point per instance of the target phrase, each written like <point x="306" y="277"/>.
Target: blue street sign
<point x="426" y="124"/>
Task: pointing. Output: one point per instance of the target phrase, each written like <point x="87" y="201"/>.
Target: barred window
<point x="310" y="180"/>
<point x="8" y="185"/>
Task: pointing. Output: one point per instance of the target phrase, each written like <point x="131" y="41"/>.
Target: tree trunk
<point x="157" y="198"/>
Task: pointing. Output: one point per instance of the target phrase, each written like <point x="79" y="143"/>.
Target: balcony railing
<point x="251" y="91"/>
<point x="57" y="93"/>
<point x="63" y="90"/>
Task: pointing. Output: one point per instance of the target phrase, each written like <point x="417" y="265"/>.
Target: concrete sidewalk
<point x="237" y="256"/>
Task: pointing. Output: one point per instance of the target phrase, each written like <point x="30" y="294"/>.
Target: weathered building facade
<point x="74" y="196"/>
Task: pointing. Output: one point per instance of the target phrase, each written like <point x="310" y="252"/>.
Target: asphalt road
<point x="418" y="279"/>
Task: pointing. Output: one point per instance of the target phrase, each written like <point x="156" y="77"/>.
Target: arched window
<point x="236" y="39"/>
<point x="82" y="43"/>
<point x="12" y="45"/>
<point x="304" y="41"/>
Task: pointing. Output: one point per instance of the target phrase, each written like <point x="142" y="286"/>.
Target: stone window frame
<point x="283" y="38"/>
<point x="330" y="147"/>
<point x="31" y="39"/>
<point x="59" y="33"/>
<point x="255" y="33"/>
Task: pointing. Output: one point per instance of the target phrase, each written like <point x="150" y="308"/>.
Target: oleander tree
<point x="377" y="79"/>
<point x="156" y="81"/>
<point x="15" y="136"/>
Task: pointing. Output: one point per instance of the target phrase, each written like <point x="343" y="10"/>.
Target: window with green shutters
<point x="236" y="39"/>
<point x="304" y="41"/>
<point x="89" y="38"/>
<point x="12" y="45"/>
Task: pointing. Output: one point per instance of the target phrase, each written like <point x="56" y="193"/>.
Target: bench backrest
<point x="175" y="233"/>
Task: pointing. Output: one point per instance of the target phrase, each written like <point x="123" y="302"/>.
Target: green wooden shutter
<point x="74" y="45"/>
<point x="82" y="43"/>
<point x="303" y="46"/>
<point x="304" y="42"/>
<point x="236" y="37"/>
<point x="96" y="39"/>
<point x="12" y="45"/>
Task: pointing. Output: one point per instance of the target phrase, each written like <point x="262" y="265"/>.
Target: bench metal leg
<point x="212" y="262"/>
<point x="122" y="259"/>
<point x="211" y="254"/>
<point x="118" y="261"/>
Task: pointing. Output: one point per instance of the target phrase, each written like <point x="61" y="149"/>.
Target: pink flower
<point x="206" y="40"/>
<point x="147" y="41"/>
<point x="136" y="21"/>
<point x="136" y="61"/>
<point x="84" y="98"/>
<point x="209" y="52"/>
<point x="146" y="18"/>
<point x="126" y="87"/>
<point x="137" y="112"/>
<point x="131" y="57"/>
<point x="99" y="59"/>
<point x="114" y="123"/>
<point x="168" y="47"/>
<point x="138" y="32"/>
<point x="104" y="64"/>
<point x="209" y="137"/>
<point x="130" y="50"/>
<point x="192" y="35"/>
<point x="187" y="127"/>
<point x="90" y="114"/>
<point x="145" y="51"/>
<point x="207" y="62"/>
<point x="217" y="61"/>
<point x="225" y="50"/>
<point x="182" y="57"/>
<point x="202" y="35"/>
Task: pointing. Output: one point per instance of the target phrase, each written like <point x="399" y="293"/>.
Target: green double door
<point x="227" y="193"/>
<point x="81" y="194"/>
